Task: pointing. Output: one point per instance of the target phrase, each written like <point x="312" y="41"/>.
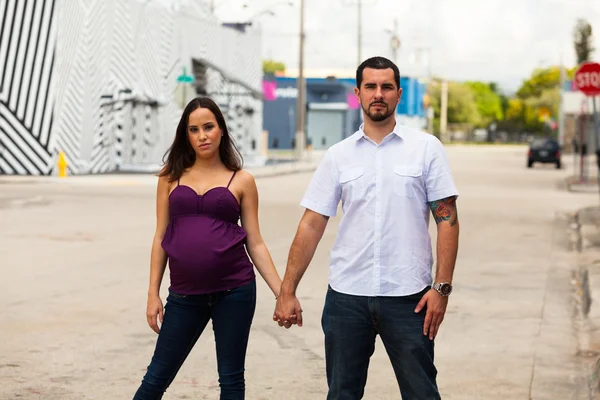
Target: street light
<point x="269" y="9"/>
<point x="287" y="3"/>
<point x="258" y="14"/>
<point x="300" y="137"/>
<point x="266" y="11"/>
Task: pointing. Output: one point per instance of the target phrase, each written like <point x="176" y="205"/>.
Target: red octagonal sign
<point x="587" y="79"/>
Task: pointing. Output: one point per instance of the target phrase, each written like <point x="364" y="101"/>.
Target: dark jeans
<point x="185" y="318"/>
<point x="351" y="323"/>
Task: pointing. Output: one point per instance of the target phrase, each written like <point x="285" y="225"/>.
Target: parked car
<point x="544" y="150"/>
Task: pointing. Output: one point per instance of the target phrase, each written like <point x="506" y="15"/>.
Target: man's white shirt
<point x="383" y="247"/>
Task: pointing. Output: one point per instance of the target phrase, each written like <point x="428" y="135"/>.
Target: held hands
<point x="436" y="309"/>
<point x="288" y="311"/>
<point x="154" y="311"/>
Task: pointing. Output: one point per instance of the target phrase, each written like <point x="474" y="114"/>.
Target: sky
<point x="500" y="41"/>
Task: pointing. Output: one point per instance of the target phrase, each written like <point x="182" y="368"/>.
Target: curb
<point x="294" y="169"/>
<point x="586" y="223"/>
<point x="125" y="179"/>
<point x="571" y="184"/>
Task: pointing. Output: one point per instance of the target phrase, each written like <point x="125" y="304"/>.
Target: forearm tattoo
<point x="445" y="210"/>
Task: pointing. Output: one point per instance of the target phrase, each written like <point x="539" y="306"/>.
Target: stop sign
<point x="587" y="79"/>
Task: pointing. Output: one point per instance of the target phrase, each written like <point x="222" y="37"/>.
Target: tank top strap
<point x="232" y="176"/>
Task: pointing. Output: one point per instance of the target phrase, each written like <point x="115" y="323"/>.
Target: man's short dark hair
<point x="377" y="63"/>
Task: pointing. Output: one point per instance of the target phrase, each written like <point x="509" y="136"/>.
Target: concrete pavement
<point x="74" y="271"/>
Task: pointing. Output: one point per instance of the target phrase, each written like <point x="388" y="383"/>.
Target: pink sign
<point x="352" y="101"/>
<point x="269" y="92"/>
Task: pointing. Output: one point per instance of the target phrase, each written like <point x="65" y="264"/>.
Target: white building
<point x="98" y="80"/>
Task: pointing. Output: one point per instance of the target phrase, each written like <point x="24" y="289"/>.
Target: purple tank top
<point x="204" y="243"/>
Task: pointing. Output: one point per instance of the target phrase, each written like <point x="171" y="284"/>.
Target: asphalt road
<point x="75" y="259"/>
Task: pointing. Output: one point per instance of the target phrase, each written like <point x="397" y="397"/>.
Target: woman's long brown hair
<point x="181" y="155"/>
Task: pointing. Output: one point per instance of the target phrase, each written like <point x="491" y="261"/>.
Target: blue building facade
<point x="411" y="103"/>
<point x="333" y="112"/>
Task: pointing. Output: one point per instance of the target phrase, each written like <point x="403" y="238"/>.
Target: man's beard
<point x="378" y="115"/>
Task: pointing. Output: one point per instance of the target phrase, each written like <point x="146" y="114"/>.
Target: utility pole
<point x="395" y="42"/>
<point x="443" y="112"/>
<point x="561" y="117"/>
<point x="359" y="5"/>
<point x="359" y="39"/>
<point x="394" y="38"/>
<point x="301" y="99"/>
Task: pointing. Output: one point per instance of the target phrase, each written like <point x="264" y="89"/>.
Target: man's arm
<point x="320" y="201"/>
<point x="446" y="217"/>
<point x="309" y="233"/>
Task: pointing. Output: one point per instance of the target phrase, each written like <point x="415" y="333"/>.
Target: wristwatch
<point x="443" y="288"/>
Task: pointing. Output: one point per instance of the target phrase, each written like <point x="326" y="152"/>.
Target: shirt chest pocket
<point x="407" y="180"/>
<point x="352" y="181"/>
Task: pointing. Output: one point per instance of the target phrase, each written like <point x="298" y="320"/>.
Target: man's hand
<point x="288" y="311"/>
<point x="436" y="309"/>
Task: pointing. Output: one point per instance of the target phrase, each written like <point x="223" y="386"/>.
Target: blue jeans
<point x="185" y="318"/>
<point x="351" y="323"/>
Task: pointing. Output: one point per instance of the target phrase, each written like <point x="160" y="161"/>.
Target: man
<point x="388" y="178"/>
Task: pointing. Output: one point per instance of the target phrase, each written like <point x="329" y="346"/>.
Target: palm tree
<point x="583" y="41"/>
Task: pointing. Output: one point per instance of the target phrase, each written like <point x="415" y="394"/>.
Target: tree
<point x="489" y="103"/>
<point x="538" y="98"/>
<point x="583" y="41"/>
<point x="271" y="66"/>
<point x="515" y="110"/>
<point x="515" y="114"/>
<point x="462" y="107"/>
<point x="541" y="79"/>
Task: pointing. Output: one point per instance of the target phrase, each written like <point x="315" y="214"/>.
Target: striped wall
<point x="27" y="48"/>
<point x="102" y="85"/>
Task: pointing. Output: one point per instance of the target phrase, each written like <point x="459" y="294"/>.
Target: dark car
<point x="543" y="150"/>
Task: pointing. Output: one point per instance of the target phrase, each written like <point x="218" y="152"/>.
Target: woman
<point x="202" y="192"/>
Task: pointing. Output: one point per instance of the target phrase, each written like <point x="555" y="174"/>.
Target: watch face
<point x="445" y="289"/>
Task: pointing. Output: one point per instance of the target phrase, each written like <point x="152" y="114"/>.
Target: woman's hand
<point x="154" y="310"/>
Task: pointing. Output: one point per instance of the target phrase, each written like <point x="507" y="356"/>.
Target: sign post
<point x="587" y="78"/>
<point x="184" y="79"/>
<point x="587" y="81"/>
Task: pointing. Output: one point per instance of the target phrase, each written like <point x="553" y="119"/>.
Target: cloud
<point x="491" y="40"/>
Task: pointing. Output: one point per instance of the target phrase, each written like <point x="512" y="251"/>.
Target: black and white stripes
<point x="27" y="39"/>
<point x="96" y="80"/>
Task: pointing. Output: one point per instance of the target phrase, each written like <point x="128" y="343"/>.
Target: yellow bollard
<point x="62" y="165"/>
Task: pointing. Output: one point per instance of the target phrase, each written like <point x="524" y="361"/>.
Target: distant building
<point x="105" y="82"/>
<point x="333" y="112"/>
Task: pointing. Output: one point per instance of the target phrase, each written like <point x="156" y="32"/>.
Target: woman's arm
<point x="256" y="246"/>
<point x="158" y="257"/>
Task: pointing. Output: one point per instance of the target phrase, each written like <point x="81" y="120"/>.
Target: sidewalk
<point x="586" y="295"/>
<point x="585" y="185"/>
<point x="309" y="164"/>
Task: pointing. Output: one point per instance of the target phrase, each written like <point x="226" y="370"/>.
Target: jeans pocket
<point x="244" y="292"/>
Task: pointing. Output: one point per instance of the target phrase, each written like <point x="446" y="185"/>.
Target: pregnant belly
<point x="198" y="248"/>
